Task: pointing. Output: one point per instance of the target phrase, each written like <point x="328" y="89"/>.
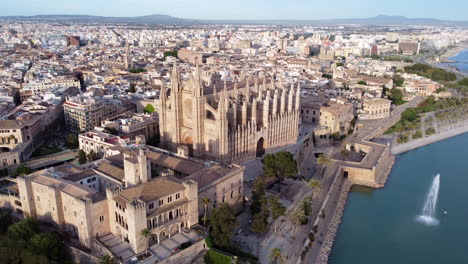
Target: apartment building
<point x="375" y="108"/>
<point x="336" y="116"/>
<point x="19" y="138"/>
<point x="37" y="87"/>
<point x="84" y="113"/>
<point x="131" y="126"/>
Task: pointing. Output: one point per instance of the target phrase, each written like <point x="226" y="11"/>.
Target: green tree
<point x="72" y="141"/>
<point x="362" y="82"/>
<point x="170" y="53"/>
<point x="258" y="195"/>
<point x="326" y="75"/>
<point x="146" y="234"/>
<point x="280" y="165"/>
<point x="111" y="130"/>
<point x="277" y="208"/>
<point x="106" y="259"/>
<point x="5" y="221"/>
<point x="398" y="81"/>
<point x="260" y="221"/>
<point x="137" y="70"/>
<point x="22" y="170"/>
<point x="81" y="157"/>
<point x="92" y="155"/>
<point x="323" y="161"/>
<point x="222" y="223"/>
<point x="276" y="257"/>
<point x="206" y="201"/>
<point x="47" y="244"/>
<point x="149" y="108"/>
<point x="409" y="114"/>
<point x="345" y="152"/>
<point x="463" y="82"/>
<point x="396" y="96"/>
<point x="299" y="217"/>
<point x="307" y="206"/>
<point x="23" y="230"/>
<point x="132" y="88"/>
<point x="314" y="184"/>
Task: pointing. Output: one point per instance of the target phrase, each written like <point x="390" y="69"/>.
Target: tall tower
<point x="198" y="108"/>
<point x="223" y="125"/>
<point x="128" y="62"/>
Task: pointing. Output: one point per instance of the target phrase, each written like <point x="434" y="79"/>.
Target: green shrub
<point x="185" y="245"/>
<point x="214" y="257"/>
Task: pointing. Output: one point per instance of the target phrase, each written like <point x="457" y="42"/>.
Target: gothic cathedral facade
<point x="212" y="121"/>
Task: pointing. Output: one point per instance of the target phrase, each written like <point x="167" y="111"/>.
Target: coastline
<point x="460" y="129"/>
<point x="337" y="217"/>
<point x="444" y="57"/>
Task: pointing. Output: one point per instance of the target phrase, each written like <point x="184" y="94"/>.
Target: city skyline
<point x="241" y="10"/>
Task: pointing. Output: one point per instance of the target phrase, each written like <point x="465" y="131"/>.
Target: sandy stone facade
<point x="375" y="109"/>
<point x="336" y="117"/>
<point x="230" y="123"/>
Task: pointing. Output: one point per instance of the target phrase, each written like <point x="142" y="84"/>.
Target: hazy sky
<point x="243" y="9"/>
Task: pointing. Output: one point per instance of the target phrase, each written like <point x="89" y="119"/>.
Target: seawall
<point x="398" y="149"/>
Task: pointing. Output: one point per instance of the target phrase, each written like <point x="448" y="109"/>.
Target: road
<point x="52" y="159"/>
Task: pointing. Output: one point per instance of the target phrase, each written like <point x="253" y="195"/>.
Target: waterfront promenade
<point x="338" y="193"/>
<point x="444" y="133"/>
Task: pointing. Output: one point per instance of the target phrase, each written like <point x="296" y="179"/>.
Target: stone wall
<point x="82" y="257"/>
<point x="187" y="255"/>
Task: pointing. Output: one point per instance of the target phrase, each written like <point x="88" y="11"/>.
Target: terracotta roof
<point x="209" y="175"/>
<point x="173" y="162"/>
<point x="111" y="170"/>
<point x="152" y="190"/>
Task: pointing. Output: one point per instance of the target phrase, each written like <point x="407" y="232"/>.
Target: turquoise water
<point x="379" y="225"/>
<point x="463" y="57"/>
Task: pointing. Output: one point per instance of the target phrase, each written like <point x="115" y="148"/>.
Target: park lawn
<point x="213" y="257"/>
<point x="43" y="151"/>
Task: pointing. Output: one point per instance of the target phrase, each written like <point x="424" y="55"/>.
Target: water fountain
<point x="429" y="210"/>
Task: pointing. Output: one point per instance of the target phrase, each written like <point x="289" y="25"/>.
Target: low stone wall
<point x="382" y="172"/>
<point x="334" y="225"/>
<point x="82" y="257"/>
<point x="187" y="255"/>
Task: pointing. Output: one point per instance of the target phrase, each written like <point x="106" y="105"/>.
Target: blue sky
<point x="243" y="9"/>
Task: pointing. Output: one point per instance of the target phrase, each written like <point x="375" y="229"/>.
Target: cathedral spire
<point x="175" y="82"/>
<point x="197" y="87"/>
<point x="281" y="80"/>
<point x="236" y="89"/>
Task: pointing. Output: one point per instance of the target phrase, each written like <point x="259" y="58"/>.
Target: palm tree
<point x="275" y="256"/>
<point x="323" y="161"/>
<point x="206" y="201"/>
<point x="106" y="259"/>
<point x="314" y="184"/>
<point x="298" y="216"/>
<point x="146" y="234"/>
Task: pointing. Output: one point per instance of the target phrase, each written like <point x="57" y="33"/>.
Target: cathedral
<point x="208" y="119"/>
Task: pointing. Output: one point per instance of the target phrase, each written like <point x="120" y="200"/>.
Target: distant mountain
<point x="150" y="19"/>
<point x="378" y="20"/>
<point x="170" y="20"/>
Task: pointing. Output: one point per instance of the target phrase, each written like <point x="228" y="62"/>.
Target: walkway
<point x="170" y="246"/>
<point x="49" y="160"/>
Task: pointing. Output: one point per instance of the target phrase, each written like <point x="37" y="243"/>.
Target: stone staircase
<point x="117" y="246"/>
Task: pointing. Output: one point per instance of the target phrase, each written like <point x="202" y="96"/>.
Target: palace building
<point x="227" y="123"/>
